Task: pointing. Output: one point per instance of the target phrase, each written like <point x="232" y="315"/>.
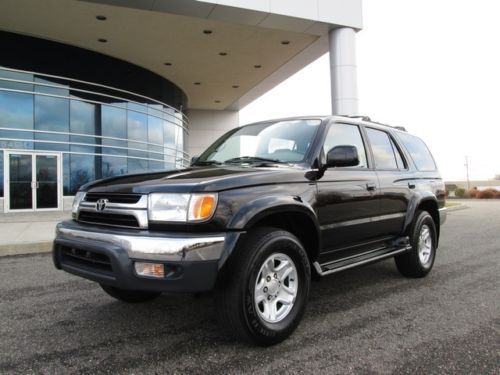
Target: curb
<point x="459" y="207"/>
<point x="25" y="248"/>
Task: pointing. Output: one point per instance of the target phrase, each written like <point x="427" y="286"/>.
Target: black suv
<point x="261" y="211"/>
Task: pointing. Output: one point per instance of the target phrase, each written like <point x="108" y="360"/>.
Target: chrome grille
<point x="113" y="198"/>
<point x="121" y="210"/>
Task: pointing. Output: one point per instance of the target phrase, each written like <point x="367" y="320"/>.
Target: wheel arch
<point x="286" y="213"/>
<point x="428" y="204"/>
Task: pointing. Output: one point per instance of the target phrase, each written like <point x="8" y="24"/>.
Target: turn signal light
<point x="202" y="206"/>
<point x="150" y="269"/>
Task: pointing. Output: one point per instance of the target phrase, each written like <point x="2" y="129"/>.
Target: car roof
<point x="357" y="120"/>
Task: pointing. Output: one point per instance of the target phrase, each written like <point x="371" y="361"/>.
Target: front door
<point x="32" y="181"/>
<point x="347" y="198"/>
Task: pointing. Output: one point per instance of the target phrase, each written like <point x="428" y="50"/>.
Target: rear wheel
<point x="263" y="292"/>
<point x="419" y="260"/>
<point x="130" y="296"/>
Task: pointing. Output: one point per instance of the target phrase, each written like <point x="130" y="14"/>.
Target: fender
<point x="417" y="199"/>
<point x="261" y="207"/>
<point x="257" y="209"/>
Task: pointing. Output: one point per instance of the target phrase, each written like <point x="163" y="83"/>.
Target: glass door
<point x="46" y="181"/>
<point x="32" y="181"/>
<point x="20" y="182"/>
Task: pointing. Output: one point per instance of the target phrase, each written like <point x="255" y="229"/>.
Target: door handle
<point x="411" y="185"/>
<point x="370" y="186"/>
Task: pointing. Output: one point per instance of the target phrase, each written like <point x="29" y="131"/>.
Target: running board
<point x="323" y="269"/>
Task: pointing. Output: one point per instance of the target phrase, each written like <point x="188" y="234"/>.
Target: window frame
<point x="394" y="142"/>
<point x="369" y="161"/>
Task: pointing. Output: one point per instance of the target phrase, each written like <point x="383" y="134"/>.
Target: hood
<point x="197" y="179"/>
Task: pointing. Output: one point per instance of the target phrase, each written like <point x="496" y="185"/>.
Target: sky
<point x="432" y="66"/>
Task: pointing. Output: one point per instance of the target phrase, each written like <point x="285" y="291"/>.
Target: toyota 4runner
<point x="261" y="211"/>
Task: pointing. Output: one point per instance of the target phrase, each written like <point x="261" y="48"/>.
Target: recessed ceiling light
<point x="257" y="66"/>
<point x="167" y="64"/>
<point x="101" y="18"/>
<point x="217" y="101"/>
<point x="223" y="53"/>
<point x="197" y="83"/>
<point x="285" y="42"/>
<point x="206" y="31"/>
<point x="102" y="40"/>
<point x="235" y="86"/>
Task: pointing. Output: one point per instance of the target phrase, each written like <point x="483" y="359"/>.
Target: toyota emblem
<point x="101" y="204"/>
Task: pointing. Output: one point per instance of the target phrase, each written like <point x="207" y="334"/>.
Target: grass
<point x="452" y="204"/>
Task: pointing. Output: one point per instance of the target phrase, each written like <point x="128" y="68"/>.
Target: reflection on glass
<point x="137" y="130"/>
<point x="20" y="176"/>
<point x="51" y="114"/>
<point x="113" y="166"/>
<point x="151" y="135"/>
<point x="20" y="76"/>
<point x="46" y="177"/>
<point x="83" y="121"/>
<point x="114" y="124"/>
<point x="382" y="149"/>
<point x="82" y="171"/>
<point x="16" y="111"/>
<point x="1" y="173"/>
<point x="155" y="136"/>
<point x="62" y="90"/>
<point x="66" y="177"/>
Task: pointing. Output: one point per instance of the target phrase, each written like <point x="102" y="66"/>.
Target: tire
<point x="130" y="296"/>
<point x="244" y="280"/>
<point x="419" y="260"/>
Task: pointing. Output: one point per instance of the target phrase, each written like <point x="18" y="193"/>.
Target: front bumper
<point x="442" y="215"/>
<point x="191" y="260"/>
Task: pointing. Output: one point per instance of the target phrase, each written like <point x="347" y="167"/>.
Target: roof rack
<point x="364" y="118"/>
<point x="367" y="118"/>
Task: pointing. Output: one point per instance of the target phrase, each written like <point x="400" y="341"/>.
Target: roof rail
<point x="366" y="118"/>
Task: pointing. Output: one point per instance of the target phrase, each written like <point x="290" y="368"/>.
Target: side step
<point x="329" y="268"/>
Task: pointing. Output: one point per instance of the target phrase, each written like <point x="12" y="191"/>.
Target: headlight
<point x="181" y="207"/>
<point x="76" y="202"/>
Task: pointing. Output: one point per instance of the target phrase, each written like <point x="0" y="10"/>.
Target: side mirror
<point x="342" y="156"/>
<point x="194" y="159"/>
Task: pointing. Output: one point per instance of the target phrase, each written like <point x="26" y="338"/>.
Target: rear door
<point x="395" y="181"/>
<point x="347" y="197"/>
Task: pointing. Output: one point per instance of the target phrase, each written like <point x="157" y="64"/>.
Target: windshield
<point x="280" y="142"/>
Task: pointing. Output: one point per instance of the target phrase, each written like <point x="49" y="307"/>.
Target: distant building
<point x="479" y="184"/>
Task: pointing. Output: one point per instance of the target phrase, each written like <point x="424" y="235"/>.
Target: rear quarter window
<point x="419" y="152"/>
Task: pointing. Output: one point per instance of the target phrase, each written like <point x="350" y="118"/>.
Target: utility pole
<point x="467" y="170"/>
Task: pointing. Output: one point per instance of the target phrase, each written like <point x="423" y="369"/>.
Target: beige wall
<point x="205" y="126"/>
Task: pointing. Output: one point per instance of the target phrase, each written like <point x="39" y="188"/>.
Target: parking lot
<point x="368" y="320"/>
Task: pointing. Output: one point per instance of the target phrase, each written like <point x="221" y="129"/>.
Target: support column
<point x="205" y="126"/>
<point x="343" y="71"/>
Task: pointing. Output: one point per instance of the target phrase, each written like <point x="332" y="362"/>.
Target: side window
<point x="346" y="135"/>
<point x="399" y="158"/>
<point x="418" y="152"/>
<point x="382" y="149"/>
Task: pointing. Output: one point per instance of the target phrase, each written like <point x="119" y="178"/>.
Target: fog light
<point x="149" y="269"/>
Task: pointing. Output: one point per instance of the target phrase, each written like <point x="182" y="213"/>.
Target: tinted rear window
<point x="418" y="152"/>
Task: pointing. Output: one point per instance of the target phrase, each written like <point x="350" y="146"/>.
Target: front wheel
<point x="419" y="260"/>
<point x="130" y="296"/>
<point x="263" y="293"/>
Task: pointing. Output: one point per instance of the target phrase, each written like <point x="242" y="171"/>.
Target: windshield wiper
<point x="207" y="162"/>
<point x="253" y="159"/>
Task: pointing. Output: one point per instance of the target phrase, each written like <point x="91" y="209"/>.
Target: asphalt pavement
<point x="364" y="321"/>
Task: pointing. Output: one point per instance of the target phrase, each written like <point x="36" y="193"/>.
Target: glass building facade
<point x="57" y="134"/>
